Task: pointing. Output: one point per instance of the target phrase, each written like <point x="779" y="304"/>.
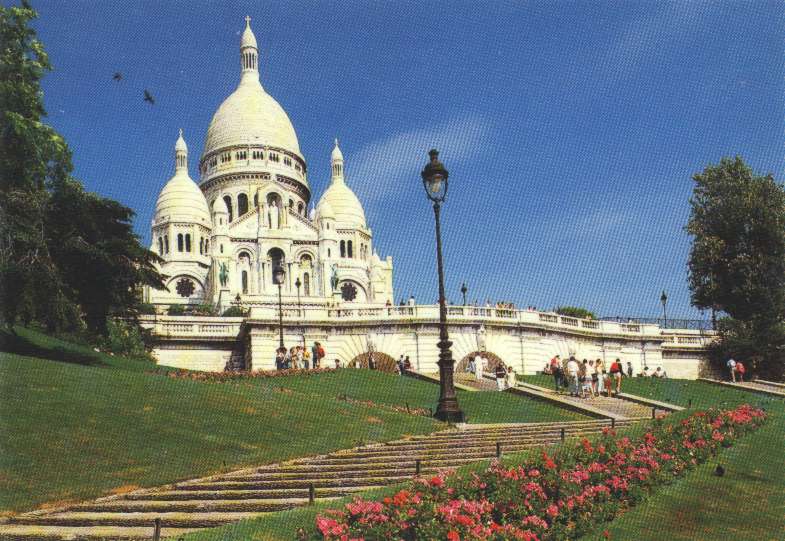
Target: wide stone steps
<point x="225" y="498"/>
<point x="169" y="519"/>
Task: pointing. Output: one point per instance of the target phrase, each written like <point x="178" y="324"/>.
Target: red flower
<point x="453" y="536"/>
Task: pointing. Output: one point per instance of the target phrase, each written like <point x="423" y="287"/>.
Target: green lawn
<point x="383" y="388"/>
<point x="86" y="424"/>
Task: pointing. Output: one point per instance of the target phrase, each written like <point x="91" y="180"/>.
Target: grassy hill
<point x="78" y="424"/>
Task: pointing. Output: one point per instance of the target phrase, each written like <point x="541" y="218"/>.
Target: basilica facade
<point x="227" y="238"/>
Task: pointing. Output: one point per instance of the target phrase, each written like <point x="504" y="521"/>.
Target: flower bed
<point x="551" y="497"/>
<point x="227" y="376"/>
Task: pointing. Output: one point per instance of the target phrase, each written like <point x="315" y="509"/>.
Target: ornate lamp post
<point x="297" y="284"/>
<point x="434" y="180"/>
<point x="278" y="277"/>
<point x="664" y="301"/>
<point x="464" y="289"/>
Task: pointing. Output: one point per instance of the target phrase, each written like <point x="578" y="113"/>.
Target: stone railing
<point x="226" y="327"/>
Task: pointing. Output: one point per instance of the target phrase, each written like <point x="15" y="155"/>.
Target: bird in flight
<point x="117" y="76"/>
<point x="149" y="97"/>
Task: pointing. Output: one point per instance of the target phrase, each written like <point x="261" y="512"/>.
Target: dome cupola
<point x="339" y="200"/>
<point x="181" y="199"/>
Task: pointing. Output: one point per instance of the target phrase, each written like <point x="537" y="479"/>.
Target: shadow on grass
<point x="10" y="342"/>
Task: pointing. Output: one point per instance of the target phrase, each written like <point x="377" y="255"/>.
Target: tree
<point x="737" y="259"/>
<point x="574" y="311"/>
<point x="65" y="254"/>
<point x="33" y="157"/>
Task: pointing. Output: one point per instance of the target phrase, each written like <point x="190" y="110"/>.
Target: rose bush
<point x="562" y="495"/>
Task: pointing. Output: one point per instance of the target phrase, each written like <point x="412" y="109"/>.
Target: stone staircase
<point x="770" y="388"/>
<point x="221" y="499"/>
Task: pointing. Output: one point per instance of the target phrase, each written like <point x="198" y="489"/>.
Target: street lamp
<point x="297" y="284"/>
<point x="278" y="277"/>
<point x="464" y="289"/>
<point x="664" y="301"/>
<point x="434" y="180"/>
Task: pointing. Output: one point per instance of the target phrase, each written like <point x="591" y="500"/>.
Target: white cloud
<point x="383" y="170"/>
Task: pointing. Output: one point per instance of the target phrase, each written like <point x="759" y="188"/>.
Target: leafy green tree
<point x="33" y="157"/>
<point x="64" y="253"/>
<point x="737" y="260"/>
<point x="575" y="311"/>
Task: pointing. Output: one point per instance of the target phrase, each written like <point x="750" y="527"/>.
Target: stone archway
<point x="492" y="359"/>
<point x="382" y="361"/>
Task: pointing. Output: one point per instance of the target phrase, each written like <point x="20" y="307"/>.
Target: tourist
<point x="546" y="370"/>
<point x="572" y="374"/>
<point x="606" y="382"/>
<point x="407" y="364"/>
<point x="279" y="358"/>
<point x="658" y="373"/>
<point x="501" y="376"/>
<point x="479" y="366"/>
<point x="601" y="376"/>
<point x="512" y="380"/>
<point x="306" y="358"/>
<point x="399" y="363"/>
<point x="732" y="368"/>
<point x="558" y="375"/>
<point x="371" y="362"/>
<point x="740" y="370"/>
<point x="294" y="354"/>
<point x="337" y="364"/>
<point x="585" y="377"/>
<point x="470" y="368"/>
<point x="629" y="369"/>
<point x="595" y="377"/>
<point x="412" y="302"/>
<point x="646" y="372"/>
<point x="616" y="374"/>
<point x="315" y="354"/>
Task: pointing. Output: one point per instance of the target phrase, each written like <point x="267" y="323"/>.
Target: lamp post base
<point x="449" y="412"/>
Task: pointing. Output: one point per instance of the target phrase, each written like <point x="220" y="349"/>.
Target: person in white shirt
<point x="732" y="367"/>
<point x="646" y="372"/>
<point x="479" y="367"/>
<point x="572" y="374"/>
<point x="512" y="381"/>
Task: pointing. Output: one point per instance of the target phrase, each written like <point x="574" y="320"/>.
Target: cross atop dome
<point x="248" y="21"/>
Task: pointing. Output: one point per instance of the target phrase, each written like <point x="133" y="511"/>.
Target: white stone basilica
<point x="249" y="214"/>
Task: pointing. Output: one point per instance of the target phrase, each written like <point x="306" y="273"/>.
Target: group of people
<point x="403" y="364"/>
<point x="737" y="370"/>
<point x="505" y="375"/>
<point x="592" y="378"/>
<point x="299" y="357"/>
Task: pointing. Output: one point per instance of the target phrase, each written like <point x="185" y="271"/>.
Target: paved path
<point x="225" y="498"/>
<point x="618" y="408"/>
<point x="771" y="388"/>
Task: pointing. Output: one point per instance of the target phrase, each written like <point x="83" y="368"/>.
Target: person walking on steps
<point x="732" y="368"/>
<point x="501" y="376"/>
<point x="616" y="371"/>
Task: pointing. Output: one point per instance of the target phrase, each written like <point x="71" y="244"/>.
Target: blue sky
<point x="570" y="129"/>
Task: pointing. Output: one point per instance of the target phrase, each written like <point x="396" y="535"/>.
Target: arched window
<point x="256" y="200"/>
<point x="228" y="201"/>
<point x="179" y="242"/>
<point x="306" y="284"/>
<point x="166" y="244"/>
<point x="207" y="246"/>
<point x="349" y="249"/>
<point x="188" y="243"/>
<point x="242" y="204"/>
<point x="291" y="204"/>
<point x="160" y="246"/>
<point x="244" y="279"/>
<point x="328" y="252"/>
<point x="343" y="248"/>
<point x="301" y="208"/>
<point x="201" y="245"/>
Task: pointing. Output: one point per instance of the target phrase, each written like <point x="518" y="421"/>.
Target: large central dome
<point x="250" y="116"/>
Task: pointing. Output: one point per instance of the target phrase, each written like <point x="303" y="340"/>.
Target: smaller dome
<point x="181" y="200"/>
<point x="336" y="154"/>
<point x="219" y="206"/>
<point x="248" y="39"/>
<point x="341" y="201"/>
<point x="180" y="145"/>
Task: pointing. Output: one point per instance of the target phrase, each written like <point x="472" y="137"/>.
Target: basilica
<point x="248" y="230"/>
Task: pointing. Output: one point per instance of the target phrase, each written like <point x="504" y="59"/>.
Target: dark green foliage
<point x="175" y="310"/>
<point x="146" y="309"/>
<point x="204" y="310"/>
<point x="234" y="311"/>
<point x="125" y="338"/>
<point x="737" y="261"/>
<point x="66" y="255"/>
<point x="574" y="311"/>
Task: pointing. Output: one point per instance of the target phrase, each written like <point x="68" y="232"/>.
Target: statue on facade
<point x="223" y="275"/>
<point x="334" y="278"/>
<point x="481" y="338"/>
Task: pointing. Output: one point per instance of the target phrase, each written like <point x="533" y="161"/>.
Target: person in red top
<point x="740" y="370"/>
<point x="558" y="377"/>
<point x="616" y="374"/>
